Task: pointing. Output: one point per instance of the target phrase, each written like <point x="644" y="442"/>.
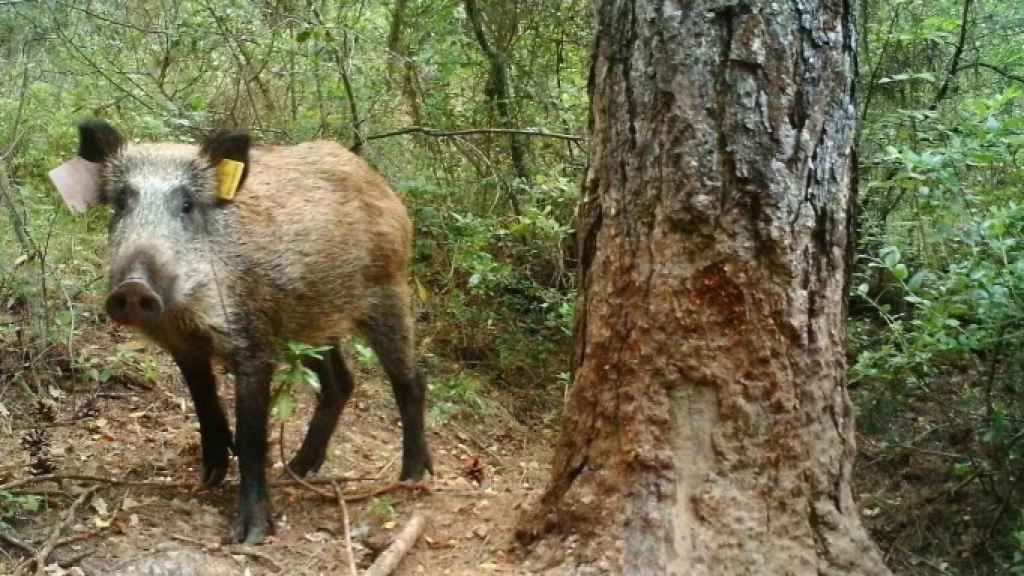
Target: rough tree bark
<point x="709" y="430"/>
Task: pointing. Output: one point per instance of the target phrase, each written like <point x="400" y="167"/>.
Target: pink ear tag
<point x="78" y="182"/>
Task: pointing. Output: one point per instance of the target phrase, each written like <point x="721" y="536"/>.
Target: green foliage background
<point x="936" y="330"/>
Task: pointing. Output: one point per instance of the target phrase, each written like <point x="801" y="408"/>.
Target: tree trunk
<point x="709" y="430"/>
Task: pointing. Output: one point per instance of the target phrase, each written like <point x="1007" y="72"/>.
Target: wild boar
<point x="304" y="243"/>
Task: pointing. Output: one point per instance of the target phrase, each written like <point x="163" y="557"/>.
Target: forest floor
<point x="136" y="435"/>
<point x="144" y="431"/>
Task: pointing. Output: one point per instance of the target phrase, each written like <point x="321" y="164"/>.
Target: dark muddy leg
<point x="389" y="330"/>
<point x="214" y="431"/>
<point x="335" y="389"/>
<point x="252" y="402"/>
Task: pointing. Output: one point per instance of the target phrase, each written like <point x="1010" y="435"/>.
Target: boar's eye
<point x="187" y="206"/>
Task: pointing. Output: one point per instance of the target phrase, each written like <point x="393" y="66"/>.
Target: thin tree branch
<point x="473" y="131"/>
<point x="128" y="25"/>
<point x="873" y="80"/>
<point x="499" y="92"/>
<point x="17" y="224"/>
<point x="955" y="62"/>
<point x="1000" y="71"/>
<point x="81" y="55"/>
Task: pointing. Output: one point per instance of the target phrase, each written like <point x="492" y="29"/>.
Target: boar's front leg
<point x="214" y="432"/>
<point x="252" y="400"/>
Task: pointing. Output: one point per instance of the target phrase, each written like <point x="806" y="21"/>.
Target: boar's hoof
<point x="305" y="463"/>
<point x="252" y="525"/>
<point x="414" y="466"/>
<point x="213" y="474"/>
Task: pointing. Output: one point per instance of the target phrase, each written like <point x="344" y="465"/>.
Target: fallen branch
<point x="302" y="482"/>
<point x="5" y="537"/>
<point x="161" y="484"/>
<point x="237" y="549"/>
<point x="243" y="550"/>
<point x="88" y="478"/>
<point x="348" y="534"/>
<point x="393" y="487"/>
<point x="390" y="558"/>
<point x="44" y="553"/>
<point x="474" y="131"/>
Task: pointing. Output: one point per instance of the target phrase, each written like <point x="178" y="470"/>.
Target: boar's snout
<point x="134" y="303"/>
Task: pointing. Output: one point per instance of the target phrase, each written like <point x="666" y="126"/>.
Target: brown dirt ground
<point x="149" y="433"/>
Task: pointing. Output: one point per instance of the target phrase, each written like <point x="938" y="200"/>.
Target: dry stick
<point x="88" y="478"/>
<point x="44" y="554"/>
<point x="17" y="543"/>
<point x="348" y="534"/>
<point x="393" y="487"/>
<point x="159" y="484"/>
<point x="390" y="558"/>
<point x="288" y="469"/>
<point x="322" y="480"/>
<point x="243" y="550"/>
<point x="386" y="467"/>
<point x="240" y="550"/>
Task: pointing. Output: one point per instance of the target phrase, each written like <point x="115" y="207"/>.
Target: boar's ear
<point x="228" y="146"/>
<point x="98" y="141"/>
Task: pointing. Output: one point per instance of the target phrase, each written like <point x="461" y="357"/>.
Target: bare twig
<point x="386" y="467"/>
<point x="160" y="484"/>
<point x="322" y="480"/>
<point x="954" y="64"/>
<point x="238" y="549"/>
<point x="17" y="224"/>
<point x="284" y="463"/>
<point x="1000" y="71"/>
<point x="927" y="452"/>
<point x="393" y="487"/>
<point x="12" y="140"/>
<point x="4" y="536"/>
<point x="44" y="553"/>
<point x="88" y="478"/>
<point x="348" y="533"/>
<point x="473" y="131"/>
<point x="103" y="18"/>
<point x="251" y="552"/>
<point x="390" y="558"/>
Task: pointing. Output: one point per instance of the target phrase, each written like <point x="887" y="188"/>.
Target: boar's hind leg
<point x="388" y="327"/>
<point x="335" y="390"/>
<point x="213" y="425"/>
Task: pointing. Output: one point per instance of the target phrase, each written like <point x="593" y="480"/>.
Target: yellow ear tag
<point x="229" y="174"/>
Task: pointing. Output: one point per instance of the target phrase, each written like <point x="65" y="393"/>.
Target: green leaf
<point x="900" y="271"/>
<point x="283" y="404"/>
<point x="311" y="379"/>
<point x="916" y="280"/>
<point x="891" y="256"/>
<point x="30" y="503"/>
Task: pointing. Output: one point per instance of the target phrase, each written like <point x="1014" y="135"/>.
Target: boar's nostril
<point x="117" y="303"/>
<point x="149" y="304"/>
<point x="134" y="303"/>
